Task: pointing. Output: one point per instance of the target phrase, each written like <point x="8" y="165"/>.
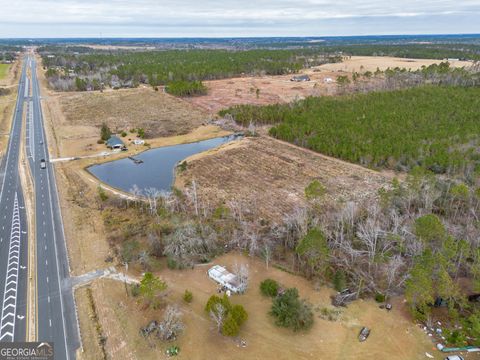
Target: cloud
<point x="234" y="18"/>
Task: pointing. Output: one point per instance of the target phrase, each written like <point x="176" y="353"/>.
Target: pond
<point x="153" y="168"/>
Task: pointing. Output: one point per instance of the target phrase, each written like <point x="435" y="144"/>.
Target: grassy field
<point x="393" y="336"/>
<point x="432" y="126"/>
<point x="4" y="70"/>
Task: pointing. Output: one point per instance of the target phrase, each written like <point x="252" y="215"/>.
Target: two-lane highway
<point x="56" y="319"/>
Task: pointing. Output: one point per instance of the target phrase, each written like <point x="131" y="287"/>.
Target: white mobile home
<point x="226" y="278"/>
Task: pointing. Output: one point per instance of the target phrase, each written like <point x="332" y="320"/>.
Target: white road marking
<point x="9" y="308"/>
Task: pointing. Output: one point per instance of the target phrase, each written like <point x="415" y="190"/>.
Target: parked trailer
<point x="225" y="278"/>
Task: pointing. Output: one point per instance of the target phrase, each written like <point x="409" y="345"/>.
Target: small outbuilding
<point x="115" y="143"/>
<point x="300" y="78"/>
<point x="226" y="279"/>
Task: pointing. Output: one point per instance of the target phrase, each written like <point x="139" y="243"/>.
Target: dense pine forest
<point x="164" y="67"/>
<point x="434" y="127"/>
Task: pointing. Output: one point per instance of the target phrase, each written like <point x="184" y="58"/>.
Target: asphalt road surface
<point x="13" y="233"/>
<point x="55" y="313"/>
<point x="56" y="319"/>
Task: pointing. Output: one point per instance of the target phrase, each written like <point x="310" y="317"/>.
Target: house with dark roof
<point x="115" y="143"/>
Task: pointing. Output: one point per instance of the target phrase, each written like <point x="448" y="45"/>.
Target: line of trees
<point x="174" y="67"/>
<point x="435" y="127"/>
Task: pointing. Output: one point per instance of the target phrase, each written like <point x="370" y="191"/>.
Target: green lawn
<point x="3" y="70"/>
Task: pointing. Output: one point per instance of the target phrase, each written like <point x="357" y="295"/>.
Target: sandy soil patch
<point x="270" y="176"/>
<point x="278" y="89"/>
<point x="393" y="335"/>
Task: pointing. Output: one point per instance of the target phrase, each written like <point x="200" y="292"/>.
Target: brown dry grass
<point x="91" y="348"/>
<point x="277" y="89"/>
<point x="7" y="103"/>
<point x="270" y="176"/>
<point x="77" y="117"/>
<point x="158" y="113"/>
<point x="393" y="335"/>
<point x="371" y="63"/>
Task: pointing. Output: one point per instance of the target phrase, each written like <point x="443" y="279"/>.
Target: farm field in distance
<point x="279" y="89"/>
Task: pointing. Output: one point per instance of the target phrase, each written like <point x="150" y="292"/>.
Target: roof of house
<point x="114" y="140"/>
<point x="219" y="273"/>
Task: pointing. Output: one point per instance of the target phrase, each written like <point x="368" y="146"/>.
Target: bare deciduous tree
<point x="171" y="326"/>
<point x="218" y="316"/>
<point x="242" y="273"/>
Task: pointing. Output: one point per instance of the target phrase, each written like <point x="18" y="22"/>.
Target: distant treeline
<point x="127" y="69"/>
<point x="8" y="52"/>
<point x="435" y="127"/>
<point x="415" y="51"/>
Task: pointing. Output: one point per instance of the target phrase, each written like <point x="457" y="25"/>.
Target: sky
<point x="231" y="18"/>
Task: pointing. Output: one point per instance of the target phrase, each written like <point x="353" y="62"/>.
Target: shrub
<point x="269" y="287"/>
<point x="233" y="317"/>
<point x="188" y="296"/>
<point x="186" y="88"/>
<point x="123" y="134"/>
<point x="141" y="132"/>
<point x="172" y="264"/>
<point x="100" y="141"/>
<point x="380" y="298"/>
<point x="182" y="166"/>
<point x="101" y="193"/>
<point x="230" y="326"/>
<point x="239" y="314"/>
<point x="214" y="300"/>
<point x="291" y="312"/>
<point x="330" y="314"/>
<point x="105" y="132"/>
<point x="135" y="290"/>
<point x="315" y="190"/>
<point x="339" y="280"/>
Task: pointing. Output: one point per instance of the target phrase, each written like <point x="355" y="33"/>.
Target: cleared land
<point x="270" y="176"/>
<point x="393" y="336"/>
<point x="279" y="89"/>
<point x="371" y="63"/>
<point x="77" y="117"/>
